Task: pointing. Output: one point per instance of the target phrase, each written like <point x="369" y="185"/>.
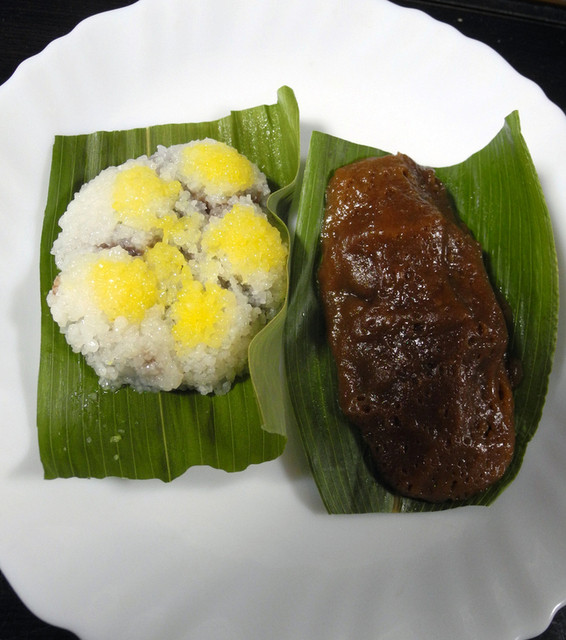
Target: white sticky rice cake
<point x="168" y="268"/>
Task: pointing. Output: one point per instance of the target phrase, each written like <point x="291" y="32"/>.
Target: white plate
<point x="252" y="555"/>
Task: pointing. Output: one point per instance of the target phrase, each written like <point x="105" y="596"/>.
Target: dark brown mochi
<point x="416" y="331"/>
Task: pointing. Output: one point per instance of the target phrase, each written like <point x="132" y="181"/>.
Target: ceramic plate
<point x="253" y="555"/>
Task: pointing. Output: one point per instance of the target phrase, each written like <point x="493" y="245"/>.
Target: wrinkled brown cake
<point x="416" y="331"/>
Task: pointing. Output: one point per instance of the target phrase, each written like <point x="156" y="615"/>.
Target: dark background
<point x="529" y="34"/>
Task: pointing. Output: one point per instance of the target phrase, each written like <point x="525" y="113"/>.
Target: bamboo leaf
<point x="85" y="431"/>
<point x="497" y="194"/>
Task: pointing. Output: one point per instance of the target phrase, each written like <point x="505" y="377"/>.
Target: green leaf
<point x="497" y="194"/>
<point x="85" y="431"/>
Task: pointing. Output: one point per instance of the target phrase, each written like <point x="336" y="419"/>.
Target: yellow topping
<point x="246" y="240"/>
<point x="202" y="315"/>
<point x="180" y="231"/>
<point x="170" y="268"/>
<point x="141" y="196"/>
<point x="123" y="287"/>
<point x="166" y="261"/>
<point x="220" y="169"/>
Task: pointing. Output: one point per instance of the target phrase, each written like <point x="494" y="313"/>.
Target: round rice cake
<point x="168" y="268"/>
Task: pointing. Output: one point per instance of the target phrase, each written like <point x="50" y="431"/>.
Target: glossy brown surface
<point x="416" y="331"/>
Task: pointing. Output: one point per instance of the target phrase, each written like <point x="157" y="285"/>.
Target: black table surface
<point x="529" y="34"/>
